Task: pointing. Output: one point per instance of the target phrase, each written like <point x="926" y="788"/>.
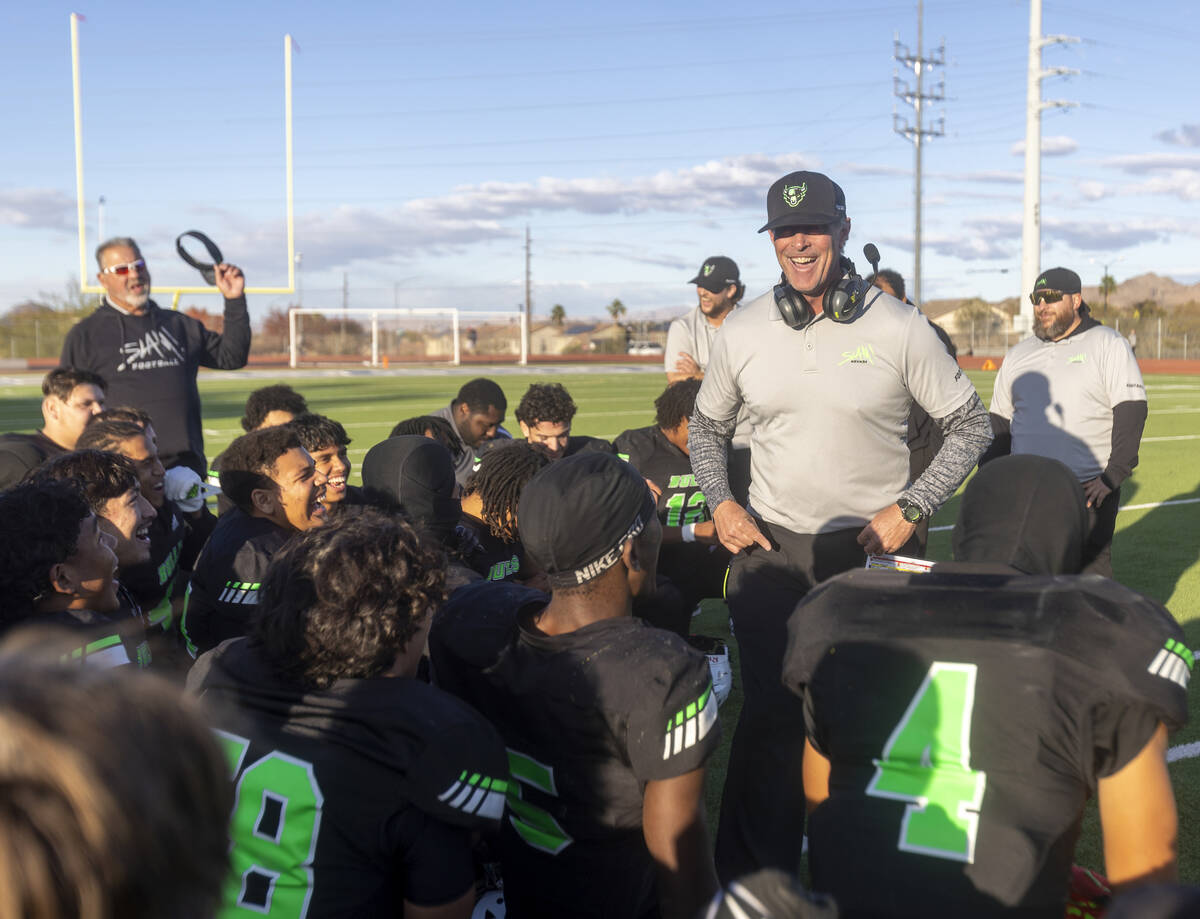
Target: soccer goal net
<point x="380" y="338"/>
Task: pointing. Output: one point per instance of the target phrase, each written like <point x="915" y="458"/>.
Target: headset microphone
<point x="872" y="255"/>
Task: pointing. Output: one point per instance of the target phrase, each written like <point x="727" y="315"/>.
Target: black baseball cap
<point x="804" y="199"/>
<point x="598" y="488"/>
<point x="717" y="273"/>
<point x="1063" y="279"/>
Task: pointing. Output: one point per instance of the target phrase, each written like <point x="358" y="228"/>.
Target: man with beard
<point x="1073" y="392"/>
<point x="689" y="339"/>
<point x="149" y="355"/>
<point x="277" y="491"/>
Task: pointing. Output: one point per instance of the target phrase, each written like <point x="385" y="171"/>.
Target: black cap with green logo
<point x="717" y="273"/>
<point x="804" y="199"/>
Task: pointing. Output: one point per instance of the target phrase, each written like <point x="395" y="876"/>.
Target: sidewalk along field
<point x="1155" y="551"/>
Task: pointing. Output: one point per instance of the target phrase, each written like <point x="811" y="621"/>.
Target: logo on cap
<point x="1041" y="282"/>
<point x="794" y="194"/>
<point x="709" y="269"/>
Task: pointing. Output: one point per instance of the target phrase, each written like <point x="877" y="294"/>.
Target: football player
<point x="326" y="442"/>
<point x="490" y="510"/>
<point x="153" y="581"/>
<point x="545" y="415"/>
<point x="691" y="556"/>
<point x="415" y="476"/>
<point x="608" y="722"/>
<point x="277" y="491"/>
<point x="58" y="569"/>
<point x="357" y="786"/>
<point x="959" y="720"/>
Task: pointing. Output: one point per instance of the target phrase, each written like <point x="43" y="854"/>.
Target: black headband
<point x="207" y="270"/>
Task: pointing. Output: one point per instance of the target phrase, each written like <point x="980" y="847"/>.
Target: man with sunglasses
<point x="149" y="355"/>
<point x="1073" y="392"/>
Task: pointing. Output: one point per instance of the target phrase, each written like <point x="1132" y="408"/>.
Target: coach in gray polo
<point x="826" y="369"/>
<point x="1073" y="392"/>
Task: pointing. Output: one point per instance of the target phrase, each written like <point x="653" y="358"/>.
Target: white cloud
<point x="1059" y="145"/>
<point x="1093" y="191"/>
<point x="1187" y="135"/>
<point x="1142" y="163"/>
<point x="472" y="214"/>
<point x="36" y="208"/>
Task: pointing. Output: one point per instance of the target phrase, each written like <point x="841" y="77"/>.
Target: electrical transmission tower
<point x="917" y="132"/>
<point x="1031" y="228"/>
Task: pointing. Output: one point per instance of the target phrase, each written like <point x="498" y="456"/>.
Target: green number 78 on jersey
<point x="926" y="761"/>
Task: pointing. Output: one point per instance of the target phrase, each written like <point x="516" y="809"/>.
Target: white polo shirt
<point x="828" y="406"/>
<point x="1058" y="396"/>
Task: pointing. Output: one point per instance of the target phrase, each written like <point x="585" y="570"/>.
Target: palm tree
<point x="558" y="315"/>
<point x="616" y="309"/>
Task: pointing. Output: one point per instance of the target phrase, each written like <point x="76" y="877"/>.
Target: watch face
<point x="910" y="511"/>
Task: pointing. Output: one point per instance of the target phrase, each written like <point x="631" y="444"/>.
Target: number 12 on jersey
<point x="926" y="762"/>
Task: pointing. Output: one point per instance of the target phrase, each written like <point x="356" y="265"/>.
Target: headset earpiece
<point x="792" y="307"/>
<point x="845" y="300"/>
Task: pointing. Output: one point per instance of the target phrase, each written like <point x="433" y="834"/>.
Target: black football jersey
<point x="967" y="717"/>
<point x="589" y="718"/>
<point x="99" y="640"/>
<point x="352" y="799"/>
<point x="493" y="559"/>
<point x="697" y="570"/>
<point x="223" y="592"/>
<point x="153" y="582"/>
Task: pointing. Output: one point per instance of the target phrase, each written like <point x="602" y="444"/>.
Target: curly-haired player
<point x="545" y="415"/>
<point x="384" y="778"/>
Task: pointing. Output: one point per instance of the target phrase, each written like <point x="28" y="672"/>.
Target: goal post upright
<point x="87" y="288"/>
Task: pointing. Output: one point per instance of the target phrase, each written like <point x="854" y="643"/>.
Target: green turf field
<point x="1155" y="550"/>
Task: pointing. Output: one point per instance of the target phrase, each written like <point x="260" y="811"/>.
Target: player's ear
<point x="629" y="555"/>
<point x="50" y="407"/>
<point x="265" y="501"/>
<point x="62" y="578"/>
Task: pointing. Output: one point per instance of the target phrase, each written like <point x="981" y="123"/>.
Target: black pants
<point x="1102" y="522"/>
<point x="762" y="807"/>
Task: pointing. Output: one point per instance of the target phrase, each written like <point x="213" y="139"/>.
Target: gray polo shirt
<point x="1059" y="396"/>
<point x="692" y="333"/>
<point x="828" y="406"/>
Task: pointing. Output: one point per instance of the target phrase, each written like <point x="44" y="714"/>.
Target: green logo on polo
<point x="1077" y="359"/>
<point x="709" y="269"/>
<point x="863" y="354"/>
<point x="794" y="194"/>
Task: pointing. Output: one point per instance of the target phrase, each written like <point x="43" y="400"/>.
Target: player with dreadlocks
<point x="434" y="428"/>
<point x="490" y="510"/>
<point x="691" y="557"/>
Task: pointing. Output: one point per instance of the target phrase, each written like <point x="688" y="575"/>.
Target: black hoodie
<point x="1027" y="512"/>
<point x="150" y="361"/>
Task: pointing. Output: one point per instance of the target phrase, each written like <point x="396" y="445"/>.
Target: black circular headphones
<point x="842" y="302"/>
<point x="207" y="270"/>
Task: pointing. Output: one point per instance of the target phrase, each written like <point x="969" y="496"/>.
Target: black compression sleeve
<point x="1129" y="420"/>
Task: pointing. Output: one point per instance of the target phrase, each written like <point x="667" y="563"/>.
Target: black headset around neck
<point x="842" y="302"/>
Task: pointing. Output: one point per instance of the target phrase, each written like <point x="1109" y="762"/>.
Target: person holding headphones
<point x="826" y="369"/>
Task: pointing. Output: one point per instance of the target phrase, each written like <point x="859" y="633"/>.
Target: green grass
<point x="1155" y="549"/>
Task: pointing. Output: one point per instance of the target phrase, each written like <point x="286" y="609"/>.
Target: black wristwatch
<point x="911" y="512"/>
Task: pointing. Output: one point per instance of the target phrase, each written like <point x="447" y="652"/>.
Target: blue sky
<point x="634" y="139"/>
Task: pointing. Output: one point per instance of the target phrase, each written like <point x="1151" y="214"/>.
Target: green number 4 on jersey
<point x="926" y="762"/>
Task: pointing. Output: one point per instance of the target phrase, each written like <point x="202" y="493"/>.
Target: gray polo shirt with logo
<point x="828" y="406"/>
<point x="1059" y="396"/>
